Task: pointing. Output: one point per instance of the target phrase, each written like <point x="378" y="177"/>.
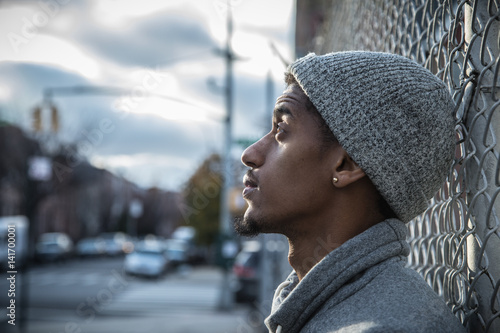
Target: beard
<point x="250" y="226"/>
<point x="246" y="226"/>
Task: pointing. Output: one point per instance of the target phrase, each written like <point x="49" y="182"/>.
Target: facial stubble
<point x="246" y="226"/>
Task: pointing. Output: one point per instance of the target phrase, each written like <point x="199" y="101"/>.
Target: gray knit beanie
<point x="391" y="115"/>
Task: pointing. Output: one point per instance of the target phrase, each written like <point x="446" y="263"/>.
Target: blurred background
<point x="121" y="128"/>
<point x="122" y="124"/>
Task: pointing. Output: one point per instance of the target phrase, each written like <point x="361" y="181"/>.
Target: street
<point x="95" y="296"/>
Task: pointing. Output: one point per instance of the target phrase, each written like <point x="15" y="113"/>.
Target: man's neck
<point x="309" y="247"/>
<point x="304" y="253"/>
<point x="347" y="216"/>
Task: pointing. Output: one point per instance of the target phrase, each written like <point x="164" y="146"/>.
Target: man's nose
<point x="253" y="156"/>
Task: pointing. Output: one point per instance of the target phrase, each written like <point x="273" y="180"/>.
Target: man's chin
<point x="246" y="226"/>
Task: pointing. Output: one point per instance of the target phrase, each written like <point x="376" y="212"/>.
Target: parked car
<point x="116" y="243"/>
<point x="177" y="251"/>
<point x="54" y="246"/>
<point x="184" y="233"/>
<point x="90" y="247"/>
<point x="246" y="271"/>
<point x="146" y="261"/>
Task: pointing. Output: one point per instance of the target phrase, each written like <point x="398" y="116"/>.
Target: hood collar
<point x="295" y="302"/>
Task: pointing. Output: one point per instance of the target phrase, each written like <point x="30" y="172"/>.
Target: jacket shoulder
<point x="391" y="298"/>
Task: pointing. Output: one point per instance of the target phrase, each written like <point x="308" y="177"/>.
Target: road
<point x="95" y="296"/>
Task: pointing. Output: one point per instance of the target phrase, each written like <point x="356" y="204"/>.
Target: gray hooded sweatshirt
<point x="362" y="286"/>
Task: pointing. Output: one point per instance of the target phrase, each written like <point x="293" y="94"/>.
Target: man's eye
<point x="278" y="129"/>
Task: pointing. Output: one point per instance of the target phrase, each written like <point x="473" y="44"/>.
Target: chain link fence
<point x="456" y="243"/>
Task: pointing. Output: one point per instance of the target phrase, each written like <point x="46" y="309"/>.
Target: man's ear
<point x="346" y="171"/>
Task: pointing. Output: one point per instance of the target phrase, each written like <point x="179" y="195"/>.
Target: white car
<point x="54" y="246"/>
<point x="151" y="262"/>
<point x="116" y="243"/>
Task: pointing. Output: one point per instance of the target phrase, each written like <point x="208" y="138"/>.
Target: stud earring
<point x="335" y="179"/>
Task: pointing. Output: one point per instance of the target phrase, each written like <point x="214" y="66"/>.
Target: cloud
<point x="147" y="170"/>
<point x="164" y="38"/>
<point x="81" y="116"/>
<point x="29" y="79"/>
<point x="150" y="134"/>
<point x="26" y="82"/>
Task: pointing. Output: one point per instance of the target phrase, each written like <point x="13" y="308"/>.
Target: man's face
<point x="291" y="170"/>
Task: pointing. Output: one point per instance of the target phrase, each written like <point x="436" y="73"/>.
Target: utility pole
<point x="228" y="177"/>
<point x="228" y="245"/>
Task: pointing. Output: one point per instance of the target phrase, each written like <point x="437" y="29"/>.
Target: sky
<point x="159" y="71"/>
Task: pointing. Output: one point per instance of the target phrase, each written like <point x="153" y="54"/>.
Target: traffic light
<point x="54" y="119"/>
<point x="37" y="119"/>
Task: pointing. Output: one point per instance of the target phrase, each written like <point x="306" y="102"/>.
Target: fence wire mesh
<point x="456" y="242"/>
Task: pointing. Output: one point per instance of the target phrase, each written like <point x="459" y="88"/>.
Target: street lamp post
<point x="228" y="249"/>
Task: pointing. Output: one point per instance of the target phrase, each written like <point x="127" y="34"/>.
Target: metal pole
<point x="228" y="179"/>
<point x="226" y="297"/>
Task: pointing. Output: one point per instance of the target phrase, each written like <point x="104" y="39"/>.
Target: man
<point x="360" y="141"/>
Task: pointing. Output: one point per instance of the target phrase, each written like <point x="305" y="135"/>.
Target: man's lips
<point x="250" y="185"/>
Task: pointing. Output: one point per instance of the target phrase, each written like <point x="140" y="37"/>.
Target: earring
<point x="335" y="179"/>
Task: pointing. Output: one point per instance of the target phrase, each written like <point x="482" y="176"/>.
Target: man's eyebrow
<point x="281" y="111"/>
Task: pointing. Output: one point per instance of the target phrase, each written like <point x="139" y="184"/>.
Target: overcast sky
<point x="148" y="49"/>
